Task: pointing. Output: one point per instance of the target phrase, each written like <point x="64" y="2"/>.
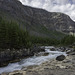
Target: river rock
<point x="4" y="74"/>
<point x="20" y="72"/>
<point x="72" y="53"/>
<point x="32" y="66"/>
<point x="52" y="49"/>
<point x="60" y="58"/>
<point x="36" y="49"/>
<point x="42" y="54"/>
<point x="17" y="74"/>
<point x="45" y="54"/>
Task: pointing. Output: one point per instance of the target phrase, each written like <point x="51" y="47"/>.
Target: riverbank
<point x="51" y="67"/>
<point x="15" y="55"/>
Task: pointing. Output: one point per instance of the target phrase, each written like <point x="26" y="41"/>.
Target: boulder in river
<point x="46" y="54"/>
<point x="42" y="54"/>
<point x="60" y="58"/>
<point x="52" y="49"/>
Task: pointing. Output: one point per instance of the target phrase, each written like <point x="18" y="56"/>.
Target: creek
<point x="37" y="59"/>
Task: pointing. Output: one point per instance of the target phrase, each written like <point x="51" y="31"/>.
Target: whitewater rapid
<point x="35" y="60"/>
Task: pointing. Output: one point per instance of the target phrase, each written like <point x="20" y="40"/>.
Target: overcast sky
<point x="64" y="6"/>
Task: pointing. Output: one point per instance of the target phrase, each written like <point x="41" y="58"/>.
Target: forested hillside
<point x="12" y="36"/>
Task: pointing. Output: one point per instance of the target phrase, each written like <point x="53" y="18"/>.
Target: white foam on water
<point x="55" y="52"/>
<point x="35" y="60"/>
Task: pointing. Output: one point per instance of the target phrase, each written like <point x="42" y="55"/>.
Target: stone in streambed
<point x="20" y="72"/>
<point x="45" y="54"/>
<point x="42" y="54"/>
<point x="52" y="49"/>
<point x="4" y="74"/>
<point x="60" y="58"/>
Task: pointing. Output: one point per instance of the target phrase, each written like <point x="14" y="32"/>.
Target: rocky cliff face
<point x="36" y="21"/>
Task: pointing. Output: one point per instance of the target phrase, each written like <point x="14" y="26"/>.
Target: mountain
<point x="38" y="22"/>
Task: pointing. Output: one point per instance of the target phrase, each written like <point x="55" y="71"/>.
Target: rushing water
<point x="35" y="60"/>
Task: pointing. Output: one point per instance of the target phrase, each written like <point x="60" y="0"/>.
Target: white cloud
<point x="64" y="6"/>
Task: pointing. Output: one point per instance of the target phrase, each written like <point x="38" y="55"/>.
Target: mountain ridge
<point x="38" y="22"/>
